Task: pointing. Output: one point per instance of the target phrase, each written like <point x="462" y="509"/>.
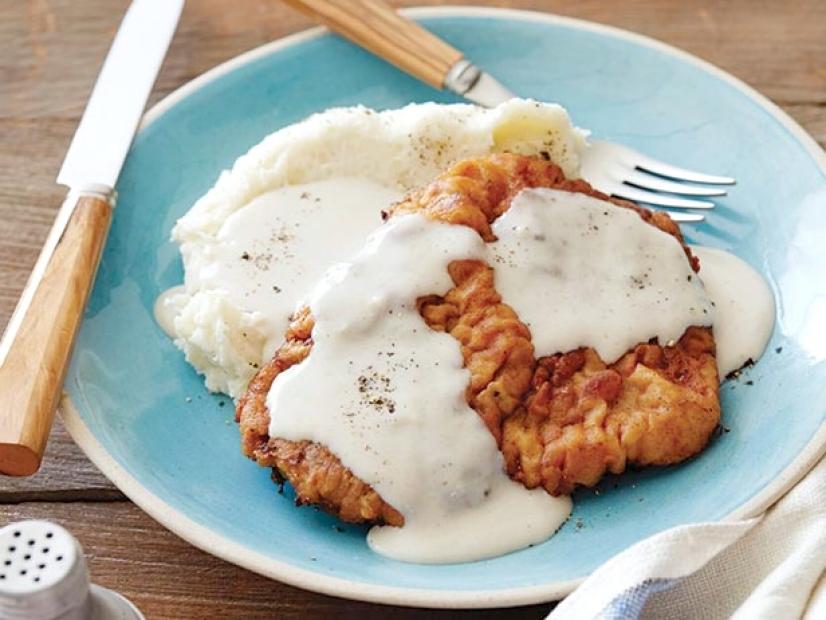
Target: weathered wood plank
<point x="167" y="578"/>
<point x="65" y="475"/>
<point x="742" y="36"/>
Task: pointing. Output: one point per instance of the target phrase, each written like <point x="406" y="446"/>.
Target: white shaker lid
<point x="43" y="576"/>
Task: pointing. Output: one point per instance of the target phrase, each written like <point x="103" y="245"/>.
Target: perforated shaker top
<point x="42" y="571"/>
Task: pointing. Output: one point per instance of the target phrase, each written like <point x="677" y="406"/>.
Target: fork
<point x="612" y="168"/>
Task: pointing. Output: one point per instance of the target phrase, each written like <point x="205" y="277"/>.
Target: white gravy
<point x="743" y="307"/>
<point x="387" y="395"/>
<point x="580" y="272"/>
<point x="167" y="308"/>
<point x="271" y="252"/>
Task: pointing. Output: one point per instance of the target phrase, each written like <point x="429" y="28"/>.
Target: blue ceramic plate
<point x="143" y="415"/>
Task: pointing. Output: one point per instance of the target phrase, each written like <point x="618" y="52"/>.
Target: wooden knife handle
<point x="374" y="25"/>
<point x="39" y="338"/>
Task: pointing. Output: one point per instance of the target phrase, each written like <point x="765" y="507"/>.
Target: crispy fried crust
<point x="315" y="473"/>
<point x="475" y="192"/>
<point x="655" y="406"/>
<point x="561" y="421"/>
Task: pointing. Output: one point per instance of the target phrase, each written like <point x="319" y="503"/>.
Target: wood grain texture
<point x="167" y="578"/>
<point x="376" y="26"/>
<point x="66" y="475"/>
<point x="50" y="53"/>
<point x="40" y="342"/>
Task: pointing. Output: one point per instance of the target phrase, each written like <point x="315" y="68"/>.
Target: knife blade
<point x="37" y="343"/>
<point x="115" y="107"/>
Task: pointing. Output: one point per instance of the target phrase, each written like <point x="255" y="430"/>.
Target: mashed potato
<point x="219" y="318"/>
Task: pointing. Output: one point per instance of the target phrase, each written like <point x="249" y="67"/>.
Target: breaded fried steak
<point x="561" y="420"/>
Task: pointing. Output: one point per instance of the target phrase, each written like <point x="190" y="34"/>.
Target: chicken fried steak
<point x="560" y="421"/>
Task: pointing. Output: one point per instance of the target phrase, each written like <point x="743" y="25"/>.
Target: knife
<point x="374" y="26"/>
<point x="37" y="343"/>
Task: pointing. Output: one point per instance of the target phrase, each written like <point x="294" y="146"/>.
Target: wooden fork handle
<point x="374" y="25"/>
<point x="35" y="349"/>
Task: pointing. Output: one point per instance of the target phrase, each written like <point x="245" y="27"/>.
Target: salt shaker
<point x="43" y="576"/>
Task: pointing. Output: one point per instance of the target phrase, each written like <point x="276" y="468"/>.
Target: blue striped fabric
<point x="629" y="604"/>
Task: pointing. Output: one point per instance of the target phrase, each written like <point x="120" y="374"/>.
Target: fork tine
<point x="658" y="184"/>
<point x="681" y="174"/>
<point x="641" y="195"/>
<point x="686" y="217"/>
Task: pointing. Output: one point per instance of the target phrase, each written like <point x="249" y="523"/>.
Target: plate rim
<point x="207" y="540"/>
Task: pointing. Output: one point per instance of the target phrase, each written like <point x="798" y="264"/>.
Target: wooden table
<point x="50" y="53"/>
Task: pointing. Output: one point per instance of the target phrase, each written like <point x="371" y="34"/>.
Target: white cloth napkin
<point x="771" y="566"/>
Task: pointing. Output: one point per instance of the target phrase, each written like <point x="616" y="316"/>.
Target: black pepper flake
<point x="720" y="430"/>
<point x="276" y="289"/>
<point x="779" y="350"/>
<point x="245" y="256"/>
<point x="375" y="388"/>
